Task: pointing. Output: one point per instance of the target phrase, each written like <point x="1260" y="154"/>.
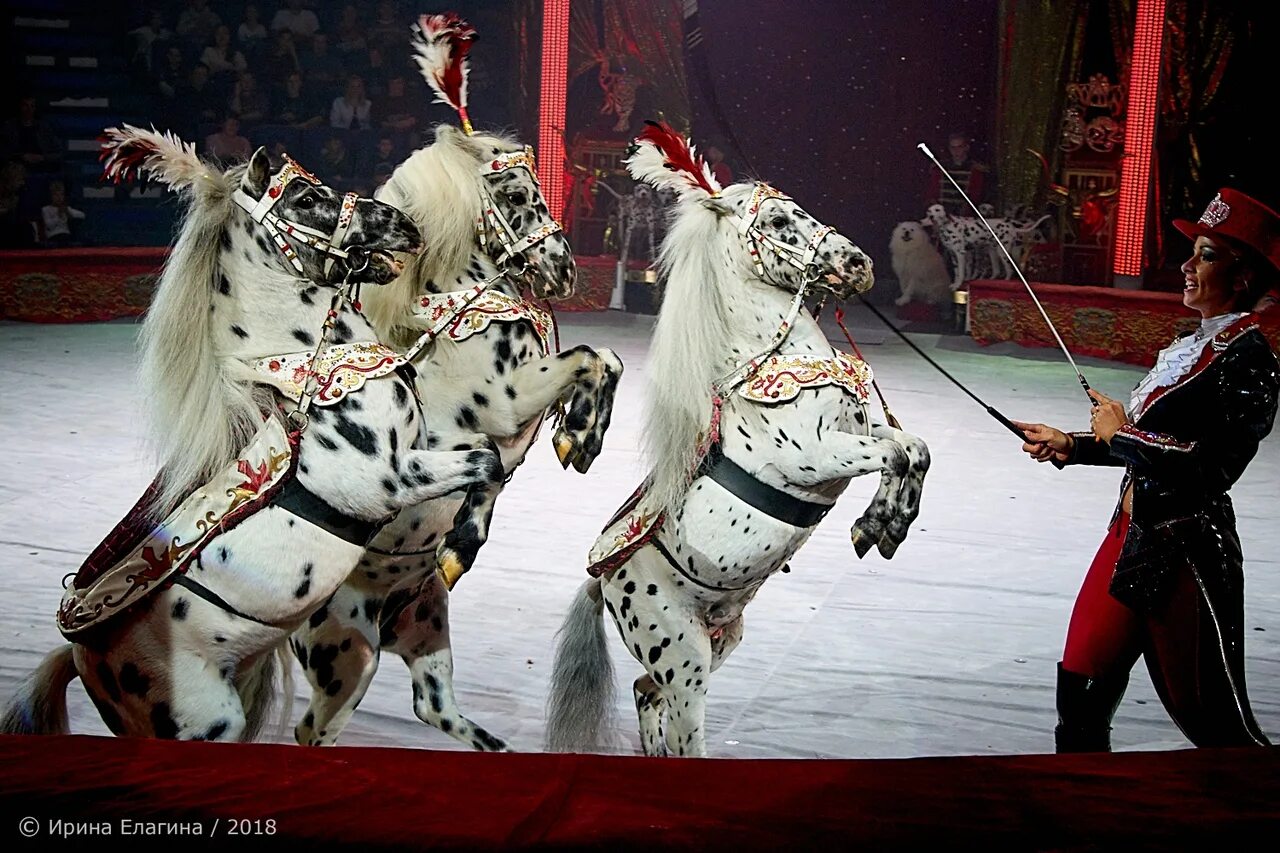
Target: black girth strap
<point x="772" y="502"/>
<point x="305" y="504"/>
<point x="213" y="598"/>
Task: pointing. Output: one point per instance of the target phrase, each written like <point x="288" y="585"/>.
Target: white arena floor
<point x="948" y="649"/>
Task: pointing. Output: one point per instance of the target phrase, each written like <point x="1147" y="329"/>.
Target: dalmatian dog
<point x="962" y="238"/>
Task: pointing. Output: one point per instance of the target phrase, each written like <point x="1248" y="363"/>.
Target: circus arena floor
<point x="930" y="677"/>
<point x="946" y="650"/>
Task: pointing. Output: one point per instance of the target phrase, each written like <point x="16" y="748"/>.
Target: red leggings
<point x="1193" y="646"/>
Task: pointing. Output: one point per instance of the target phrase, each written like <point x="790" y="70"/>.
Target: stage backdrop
<point x="828" y="99"/>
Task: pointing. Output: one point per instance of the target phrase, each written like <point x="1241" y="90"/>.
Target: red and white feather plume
<point x="126" y="152"/>
<point x="440" y="47"/>
<point x="667" y="159"/>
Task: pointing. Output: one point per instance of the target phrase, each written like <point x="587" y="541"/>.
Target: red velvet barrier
<point x="398" y="799"/>
<point x="95" y="285"/>
<point x="1125" y="325"/>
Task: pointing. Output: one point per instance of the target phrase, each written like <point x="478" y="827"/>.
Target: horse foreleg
<point x="584" y="380"/>
<point x="338" y="652"/>
<point x="457" y="551"/>
<point x="420" y="635"/>
<point x="909" y="491"/>
<point x="842" y="456"/>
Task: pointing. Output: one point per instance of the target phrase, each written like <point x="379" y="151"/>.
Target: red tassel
<point x="675" y="148"/>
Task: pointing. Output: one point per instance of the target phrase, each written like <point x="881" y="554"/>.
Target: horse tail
<point x="580" y="707"/>
<point x="39" y="707"/>
<point x="258" y="690"/>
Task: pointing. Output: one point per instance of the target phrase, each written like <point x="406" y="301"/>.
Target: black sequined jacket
<point x="1186" y="448"/>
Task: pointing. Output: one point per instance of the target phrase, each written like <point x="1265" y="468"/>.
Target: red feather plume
<point x="441" y="45"/>
<point x="678" y="155"/>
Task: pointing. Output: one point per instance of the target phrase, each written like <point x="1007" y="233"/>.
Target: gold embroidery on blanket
<point x="782" y="377"/>
<point x="491" y="306"/>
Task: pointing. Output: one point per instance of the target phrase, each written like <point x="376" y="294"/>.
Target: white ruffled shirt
<point x="1177" y="359"/>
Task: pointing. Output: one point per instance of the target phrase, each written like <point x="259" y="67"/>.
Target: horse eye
<point x="306" y="201"/>
<point x="778" y="221"/>
<point x="516" y="198"/>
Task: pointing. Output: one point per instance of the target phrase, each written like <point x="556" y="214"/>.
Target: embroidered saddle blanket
<point x="341" y="369"/>
<point x="781" y="378"/>
<point x="472" y="316"/>
<point x="139" y="554"/>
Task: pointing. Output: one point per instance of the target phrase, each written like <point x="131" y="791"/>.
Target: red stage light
<point x="1139" y="137"/>
<point x="555" y="69"/>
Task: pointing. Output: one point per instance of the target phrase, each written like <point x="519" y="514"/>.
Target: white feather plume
<point x="128" y="151"/>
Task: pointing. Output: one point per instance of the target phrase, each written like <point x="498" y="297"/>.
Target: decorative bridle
<point x="492" y="221"/>
<point x="282" y="230"/>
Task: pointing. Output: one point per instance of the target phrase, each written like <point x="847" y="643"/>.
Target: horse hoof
<point x="449" y="567"/>
<point x="582" y="462"/>
<point x="861" y="543"/>
<point x="887" y="547"/>
<point x="564" y="449"/>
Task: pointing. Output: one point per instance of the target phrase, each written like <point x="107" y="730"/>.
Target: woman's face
<point x="1212" y="281"/>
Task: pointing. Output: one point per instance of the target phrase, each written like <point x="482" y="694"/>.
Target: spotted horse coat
<point x="193" y="659"/>
<point x="493" y="375"/>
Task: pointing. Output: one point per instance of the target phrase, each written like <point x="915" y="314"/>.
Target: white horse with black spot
<point x="485" y="357"/>
<point x="755" y="426"/>
<point x="277" y="416"/>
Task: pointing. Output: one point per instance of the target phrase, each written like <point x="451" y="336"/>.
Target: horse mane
<point x="436" y="188"/>
<point x="691" y="344"/>
<point x="198" y="416"/>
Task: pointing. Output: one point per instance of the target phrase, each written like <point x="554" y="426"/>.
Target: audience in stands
<point x="57" y="217"/>
<point x="282" y="58"/>
<point x="220" y="56"/>
<point x="335" y="162"/>
<point x="16" y="230"/>
<point x="173" y="71"/>
<point x="198" y="22"/>
<point x="251" y="35"/>
<point x="350" y="37"/>
<point x="386" y="159"/>
<point x="295" y="105"/>
<point x="146" y="38"/>
<point x="227" y="145"/>
<point x="29" y="139"/>
<point x="322" y="68"/>
<point x="249" y="102"/>
<point x="398" y="111"/>
<point x="198" y="102"/>
<point x="303" y="23"/>
<point x="352" y="110"/>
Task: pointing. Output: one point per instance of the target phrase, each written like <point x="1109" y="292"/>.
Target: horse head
<point x="325" y="236"/>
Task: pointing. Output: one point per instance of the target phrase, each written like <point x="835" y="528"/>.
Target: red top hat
<point x="1246" y="220"/>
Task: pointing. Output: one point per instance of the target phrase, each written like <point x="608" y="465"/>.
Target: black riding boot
<point x="1085" y="708"/>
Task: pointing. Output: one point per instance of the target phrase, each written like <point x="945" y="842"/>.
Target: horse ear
<point x="716" y="205"/>
<point x="259" y="172"/>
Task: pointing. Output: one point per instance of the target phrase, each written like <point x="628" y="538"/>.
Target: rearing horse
<point x="755" y="426"/>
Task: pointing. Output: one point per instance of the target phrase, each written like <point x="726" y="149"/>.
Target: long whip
<point x="1083" y="382"/>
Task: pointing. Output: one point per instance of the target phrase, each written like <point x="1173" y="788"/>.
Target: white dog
<point x="920" y="269"/>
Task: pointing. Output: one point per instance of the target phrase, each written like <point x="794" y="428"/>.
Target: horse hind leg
<point x="457" y="551"/>
<point x="420" y="635"/>
<point x="338" y="651"/>
<point x="650" y="707"/>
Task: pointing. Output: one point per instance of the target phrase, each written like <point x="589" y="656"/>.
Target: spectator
<point x="276" y="152"/>
<point x="388" y="28"/>
<point x="322" y="68"/>
<point x="386" y="160"/>
<point x="147" y="38"/>
<point x="375" y="73"/>
<point x="283" y="57"/>
<point x="197" y="22"/>
<point x="399" y="112"/>
<point x="352" y="110"/>
<point x="172" y="72"/>
<point x="227" y="145"/>
<point x="220" y="56"/>
<point x="16" y="228"/>
<point x="198" y="101"/>
<point x="301" y="22"/>
<point x="971" y="175"/>
<point x="351" y="30"/>
<point x="249" y="102"/>
<point x="30" y="140"/>
<point x="295" y="106"/>
<point x="56" y="218"/>
<point x="251" y="34"/>
<point x="335" y="164"/>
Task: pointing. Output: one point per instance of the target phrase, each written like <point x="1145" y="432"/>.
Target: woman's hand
<point x="1044" y="442"/>
<point x="1108" y="416"/>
